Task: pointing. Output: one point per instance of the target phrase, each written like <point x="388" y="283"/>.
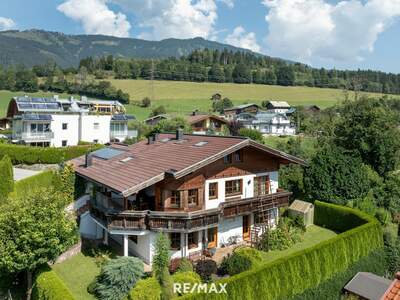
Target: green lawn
<point x="313" y="236"/>
<point x="77" y="273"/>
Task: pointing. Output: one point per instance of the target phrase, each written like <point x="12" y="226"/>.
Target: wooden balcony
<point x="170" y="221"/>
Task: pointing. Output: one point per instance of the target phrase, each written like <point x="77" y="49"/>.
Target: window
<point x="213" y="190"/>
<point x="193" y="197"/>
<point x="133" y="238"/>
<point x="233" y="187"/>
<point x="64" y="126"/>
<point x="228" y="159"/>
<point x="193" y="240"/>
<point x="262" y="185"/>
<point x="64" y="143"/>
<point x="96" y="125"/>
<point x="175" y="238"/>
<point x="238" y="156"/>
<point x="175" y="199"/>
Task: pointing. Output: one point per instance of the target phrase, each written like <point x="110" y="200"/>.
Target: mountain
<point x="32" y="47"/>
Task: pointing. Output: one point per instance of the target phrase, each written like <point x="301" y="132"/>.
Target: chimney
<point x="397" y="276"/>
<point x="155" y="136"/>
<point x="179" y="134"/>
<point x="194" y="113"/>
<point x="88" y="160"/>
<point x="150" y="139"/>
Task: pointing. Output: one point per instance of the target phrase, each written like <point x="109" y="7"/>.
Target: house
<point x="205" y="123"/>
<point x="281" y="107"/>
<point x="231" y="113"/>
<point x="369" y="286"/>
<point x="64" y="122"/>
<point x="203" y="191"/>
<point x="268" y="123"/>
<point x="152" y="121"/>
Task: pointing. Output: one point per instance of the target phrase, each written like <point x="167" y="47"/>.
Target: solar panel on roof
<point x="34" y="117"/>
<point x="107" y="153"/>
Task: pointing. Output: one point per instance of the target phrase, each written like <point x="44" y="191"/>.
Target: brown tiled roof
<point x="393" y="292"/>
<point x="149" y="163"/>
<point x="197" y="118"/>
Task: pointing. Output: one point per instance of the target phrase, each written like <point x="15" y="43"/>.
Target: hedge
<point x="43" y="179"/>
<point x="291" y="275"/>
<point x="29" y="155"/>
<point x="331" y="289"/>
<point x="48" y="286"/>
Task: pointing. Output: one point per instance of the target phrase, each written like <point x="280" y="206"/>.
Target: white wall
<point x="90" y="134"/>
<point x="71" y="134"/>
<point x="247" y="191"/>
<point x="228" y="228"/>
<point x="89" y="228"/>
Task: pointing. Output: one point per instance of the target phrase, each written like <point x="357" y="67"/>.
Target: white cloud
<point x="96" y="17"/>
<point x="310" y="29"/>
<point x="228" y="3"/>
<point x="6" y="23"/>
<point x="240" y="38"/>
<point x="173" y="18"/>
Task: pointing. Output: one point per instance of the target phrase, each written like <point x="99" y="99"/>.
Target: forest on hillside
<point x="199" y="66"/>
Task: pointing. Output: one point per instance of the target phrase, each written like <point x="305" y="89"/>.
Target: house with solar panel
<point x="64" y="122"/>
<point x="203" y="191"/>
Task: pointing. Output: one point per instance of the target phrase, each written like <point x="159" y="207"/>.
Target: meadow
<point x="179" y="97"/>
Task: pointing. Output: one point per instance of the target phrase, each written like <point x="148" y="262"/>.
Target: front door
<point x="246" y="227"/>
<point x="212" y="235"/>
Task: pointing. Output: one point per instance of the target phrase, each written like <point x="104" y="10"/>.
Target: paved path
<point x="23" y="173"/>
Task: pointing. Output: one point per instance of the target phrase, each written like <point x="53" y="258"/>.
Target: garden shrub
<point x="383" y="216"/>
<point x="235" y="263"/>
<point x="49" y="286"/>
<point x="180" y="264"/>
<point x="305" y="269"/>
<point x="284" y="236"/>
<point x="117" y="277"/>
<point x="205" y="268"/>
<point x="146" y="289"/>
<point x="186" y="277"/>
<point x="20" y="154"/>
<point x="7" y="177"/>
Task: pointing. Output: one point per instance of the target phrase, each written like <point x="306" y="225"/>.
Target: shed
<point x="304" y="209"/>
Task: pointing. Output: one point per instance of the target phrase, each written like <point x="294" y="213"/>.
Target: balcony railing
<point x="123" y="133"/>
<point x="186" y="221"/>
<point x="36" y="136"/>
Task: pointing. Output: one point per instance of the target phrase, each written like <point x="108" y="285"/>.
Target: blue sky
<point x="324" y="33"/>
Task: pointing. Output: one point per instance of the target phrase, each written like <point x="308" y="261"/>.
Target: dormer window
<point x="228" y="159"/>
<point x="175" y="200"/>
<point x="238" y="156"/>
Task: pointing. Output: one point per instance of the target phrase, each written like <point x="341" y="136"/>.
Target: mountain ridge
<point x="67" y="50"/>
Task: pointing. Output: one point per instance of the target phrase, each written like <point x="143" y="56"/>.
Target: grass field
<point x="183" y="97"/>
<point x="77" y="273"/>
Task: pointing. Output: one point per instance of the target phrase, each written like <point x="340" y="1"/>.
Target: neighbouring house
<point x="64" y="122"/>
<point x="369" y="286"/>
<point x="268" y="123"/>
<point x="231" y="113"/>
<point x="281" y="107"/>
<point x="152" y="121"/>
<point x="205" y="123"/>
<point x="203" y="191"/>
